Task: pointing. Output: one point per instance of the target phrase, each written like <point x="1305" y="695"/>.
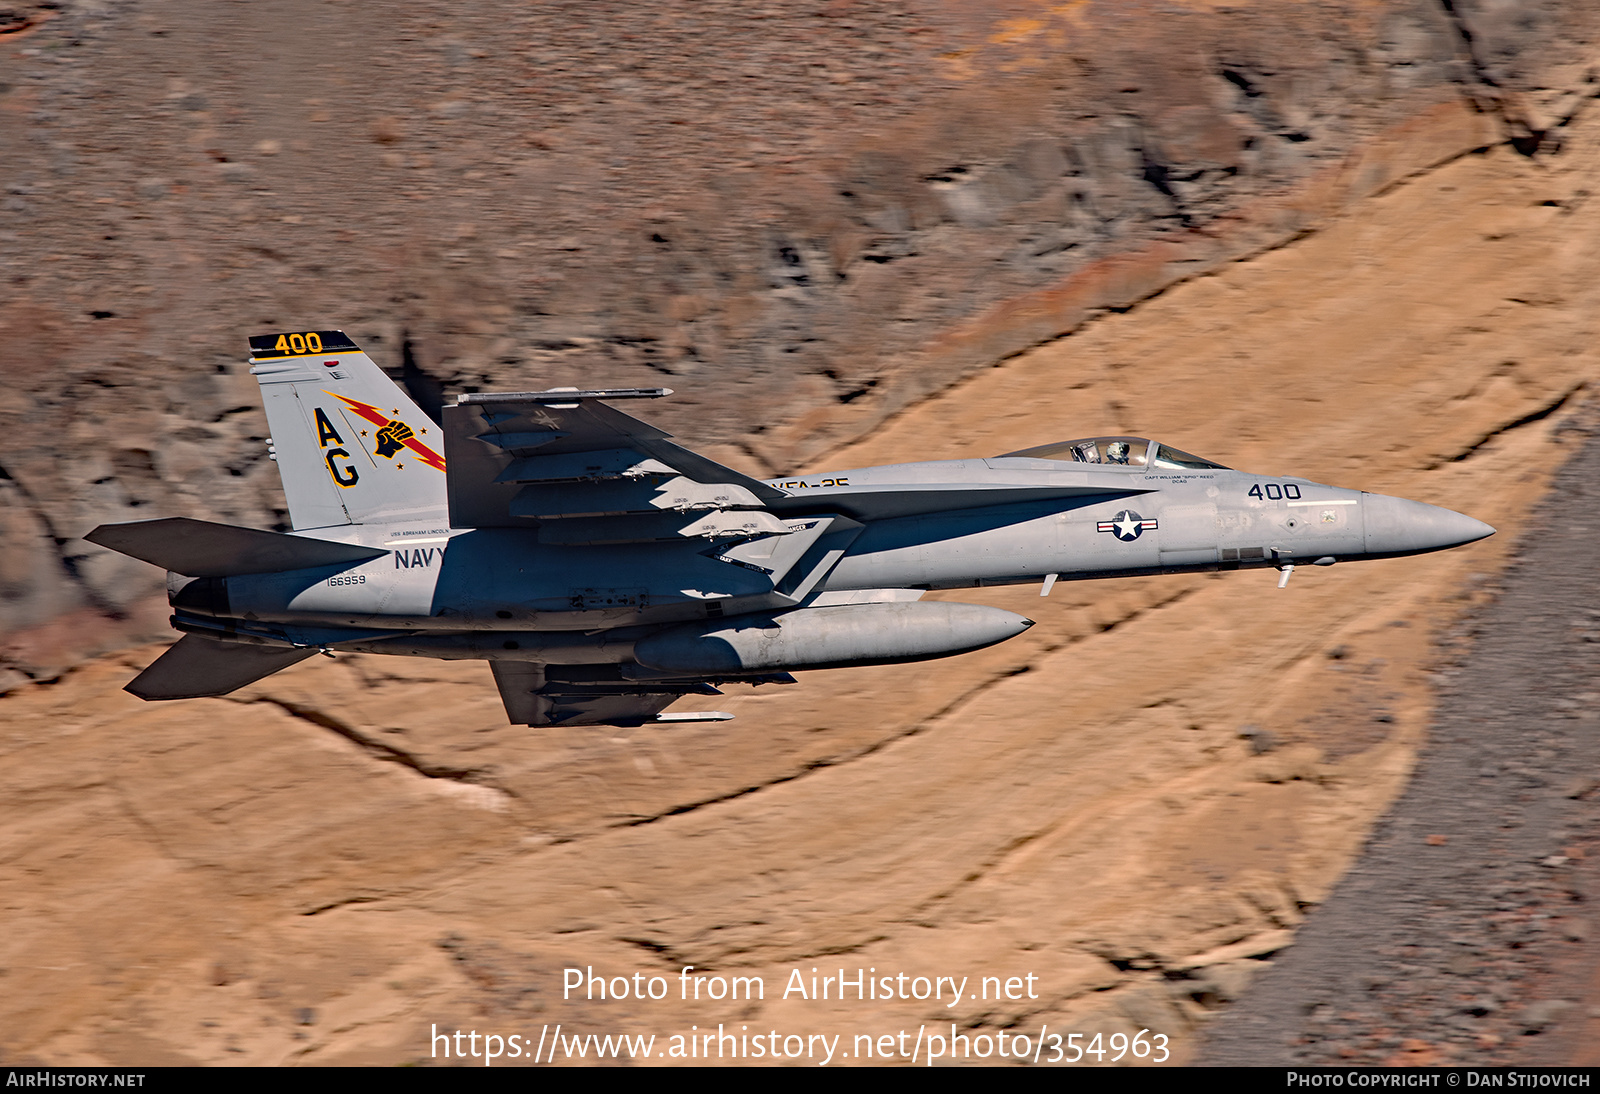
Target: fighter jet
<point x="605" y="572"/>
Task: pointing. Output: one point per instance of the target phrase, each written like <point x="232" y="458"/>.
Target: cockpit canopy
<point x="1119" y="452"/>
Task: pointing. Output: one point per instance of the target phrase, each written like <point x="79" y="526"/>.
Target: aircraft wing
<point x="582" y="472"/>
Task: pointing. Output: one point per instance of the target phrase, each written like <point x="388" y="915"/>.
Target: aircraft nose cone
<point x="1396" y="526"/>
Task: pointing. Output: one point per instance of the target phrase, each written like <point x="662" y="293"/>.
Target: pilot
<point x="1117" y="452"/>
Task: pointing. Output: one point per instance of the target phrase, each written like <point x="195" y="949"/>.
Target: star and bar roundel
<point x="1128" y="525"/>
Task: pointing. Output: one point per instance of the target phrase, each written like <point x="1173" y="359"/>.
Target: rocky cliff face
<point x="820" y="223"/>
<point x="1135" y="803"/>
<point x="803" y="216"/>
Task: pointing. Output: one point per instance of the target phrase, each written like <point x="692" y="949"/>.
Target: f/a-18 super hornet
<point x="605" y="572"/>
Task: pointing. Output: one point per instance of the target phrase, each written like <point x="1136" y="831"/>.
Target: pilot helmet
<point x="1117" y="451"/>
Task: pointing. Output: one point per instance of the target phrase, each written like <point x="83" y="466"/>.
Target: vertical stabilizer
<point x="351" y="446"/>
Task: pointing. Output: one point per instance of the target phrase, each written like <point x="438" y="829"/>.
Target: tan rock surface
<point x="326" y="865"/>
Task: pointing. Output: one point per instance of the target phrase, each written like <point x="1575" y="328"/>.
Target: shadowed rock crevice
<point x="670" y="954"/>
<point x="378" y="750"/>
<point x="1486" y="37"/>
<point x="1537" y="415"/>
<point x="347" y="902"/>
<point x="1480" y="71"/>
<point x="67" y="563"/>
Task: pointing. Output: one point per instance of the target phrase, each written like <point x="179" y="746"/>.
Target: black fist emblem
<point x="392" y="438"/>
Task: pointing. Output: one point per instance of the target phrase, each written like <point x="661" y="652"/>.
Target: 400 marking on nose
<point x="1271" y="491"/>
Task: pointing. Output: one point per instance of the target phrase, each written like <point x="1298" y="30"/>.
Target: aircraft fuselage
<point x="436" y="579"/>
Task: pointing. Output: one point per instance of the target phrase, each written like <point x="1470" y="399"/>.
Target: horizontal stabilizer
<point x="199" y="548"/>
<point x="198" y="667"/>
